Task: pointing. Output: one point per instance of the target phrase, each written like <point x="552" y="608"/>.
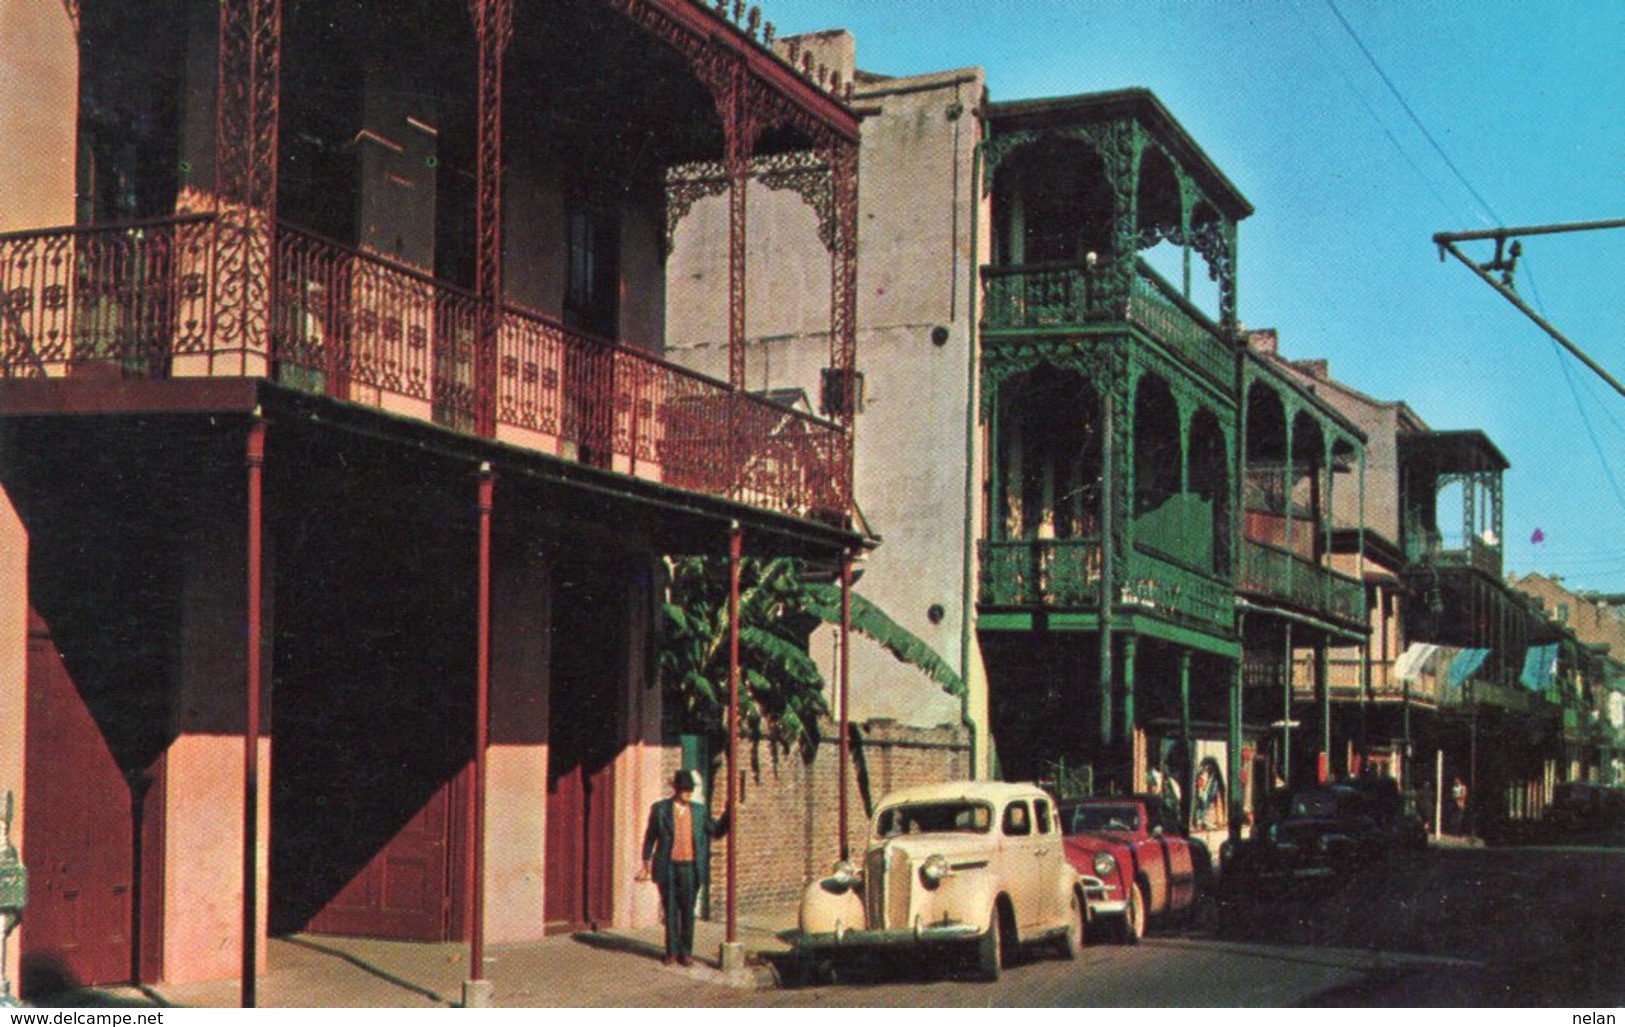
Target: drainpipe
<point x="255" y="457"/>
<point x="969" y="575"/>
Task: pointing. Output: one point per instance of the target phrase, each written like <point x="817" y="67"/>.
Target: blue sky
<point x="1522" y="122"/>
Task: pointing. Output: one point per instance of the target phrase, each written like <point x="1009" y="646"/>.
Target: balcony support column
<point x="255" y="462"/>
<point x="1323" y="699"/>
<point x="1286" y="708"/>
<point x="1185" y="710"/>
<point x="1233" y="746"/>
<point x="245" y="182"/>
<point x="1107" y="569"/>
<point x="1131" y="645"/>
<point x="493" y="28"/>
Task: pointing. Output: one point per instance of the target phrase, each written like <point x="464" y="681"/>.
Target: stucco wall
<point x="915" y="339"/>
<point x="13" y="676"/>
<point x="39" y="114"/>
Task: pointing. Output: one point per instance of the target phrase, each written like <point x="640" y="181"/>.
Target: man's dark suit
<point x="679" y="883"/>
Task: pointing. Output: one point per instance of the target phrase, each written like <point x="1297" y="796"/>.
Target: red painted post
<point x="846" y="652"/>
<point x="251" y="728"/>
<point x="734" y="546"/>
<point x="482" y="706"/>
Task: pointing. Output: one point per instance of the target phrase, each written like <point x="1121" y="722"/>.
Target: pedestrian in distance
<point x="1458" y="806"/>
<point x="677" y="857"/>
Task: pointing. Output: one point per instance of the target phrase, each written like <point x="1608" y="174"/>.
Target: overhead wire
<point x="1486" y="209"/>
<point x="1398" y="96"/>
<point x="1321" y="50"/>
<point x="1574" y="393"/>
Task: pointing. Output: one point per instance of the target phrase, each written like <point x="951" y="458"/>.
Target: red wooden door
<point x="579" y="840"/>
<point x="403" y="891"/>
<point x="78" y="846"/>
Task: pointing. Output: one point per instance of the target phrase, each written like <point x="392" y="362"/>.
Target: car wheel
<point x="1071" y="943"/>
<point x="1132" y="928"/>
<point x="990" y="949"/>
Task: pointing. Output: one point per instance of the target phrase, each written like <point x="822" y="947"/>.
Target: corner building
<point x="332" y="372"/>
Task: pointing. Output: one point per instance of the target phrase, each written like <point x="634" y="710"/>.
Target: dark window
<point x="592" y="290"/>
<point x="1016" y="820"/>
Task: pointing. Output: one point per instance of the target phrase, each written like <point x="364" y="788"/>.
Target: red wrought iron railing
<point x="140" y="300"/>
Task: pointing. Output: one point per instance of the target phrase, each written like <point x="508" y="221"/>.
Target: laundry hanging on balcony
<point x="1461" y="668"/>
<point x="1539" y="666"/>
<point x="1413" y="661"/>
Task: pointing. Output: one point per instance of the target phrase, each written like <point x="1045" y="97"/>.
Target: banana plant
<point x="782" y="693"/>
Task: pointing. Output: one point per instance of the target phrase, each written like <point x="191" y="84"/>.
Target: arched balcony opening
<point x="1044" y="548"/>
<point x="1157" y="457"/>
<point x="1264" y="491"/>
<point x="1049" y="456"/>
<point x="1052" y="204"/>
<point x="1307" y="482"/>
<point x="1210" y="487"/>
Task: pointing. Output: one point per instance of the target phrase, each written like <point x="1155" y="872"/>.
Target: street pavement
<point x="1457" y="925"/>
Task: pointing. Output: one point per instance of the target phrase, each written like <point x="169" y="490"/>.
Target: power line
<point x="1372" y="60"/>
<point x="1342" y="73"/>
<point x="1574" y="393"/>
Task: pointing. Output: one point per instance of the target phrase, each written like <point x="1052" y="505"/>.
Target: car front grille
<point x="874" y="892"/>
<point x="889" y="877"/>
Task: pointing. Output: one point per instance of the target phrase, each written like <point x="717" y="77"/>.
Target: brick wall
<point x="789" y="809"/>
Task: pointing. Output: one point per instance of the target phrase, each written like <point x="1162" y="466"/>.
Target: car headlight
<point x="1105" y="865"/>
<point x="844" y="873"/>
<point x="933" y="870"/>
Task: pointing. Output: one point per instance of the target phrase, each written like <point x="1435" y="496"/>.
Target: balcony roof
<point x="1135" y="104"/>
<point x="1466" y="451"/>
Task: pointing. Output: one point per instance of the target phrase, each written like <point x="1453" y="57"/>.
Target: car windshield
<point x="1100" y="817"/>
<point x="957" y="816"/>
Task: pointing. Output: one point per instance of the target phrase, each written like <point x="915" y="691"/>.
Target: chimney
<point x="834" y="49"/>
<point x="1317" y="369"/>
<point x="1263" y="340"/>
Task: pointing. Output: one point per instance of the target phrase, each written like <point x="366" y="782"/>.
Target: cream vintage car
<point x="977" y="865"/>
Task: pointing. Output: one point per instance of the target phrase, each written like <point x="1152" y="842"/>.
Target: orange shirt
<point x="682" y="828"/>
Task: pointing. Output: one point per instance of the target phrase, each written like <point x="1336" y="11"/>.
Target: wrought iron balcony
<point x="1064" y="574"/>
<point x="1277" y="574"/>
<point x="1157" y="582"/>
<point x="1041" y="573"/>
<point x="1072" y="295"/>
<point x="145" y="300"/>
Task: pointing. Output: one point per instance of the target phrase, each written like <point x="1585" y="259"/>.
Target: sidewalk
<point x="611" y="967"/>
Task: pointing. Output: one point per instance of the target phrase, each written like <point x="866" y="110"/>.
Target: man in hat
<point x="677" y="855"/>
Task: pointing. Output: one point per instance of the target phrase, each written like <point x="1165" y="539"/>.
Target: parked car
<point x="1136" y="860"/>
<point x="975" y="866"/>
<point x="1395" y="814"/>
<point x="1302" y="834"/>
<point x="1582" y="805"/>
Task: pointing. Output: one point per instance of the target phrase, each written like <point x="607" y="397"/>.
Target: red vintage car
<point x="1136" y="859"/>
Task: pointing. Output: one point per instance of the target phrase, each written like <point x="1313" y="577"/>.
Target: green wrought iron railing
<point x="1052" y="573"/>
<point x="1072" y="294"/>
<point x="1269" y="571"/>
<point x="1159" y="583"/>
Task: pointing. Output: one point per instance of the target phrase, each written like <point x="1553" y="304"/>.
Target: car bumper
<point x="920" y="935"/>
<point x="1098" y="894"/>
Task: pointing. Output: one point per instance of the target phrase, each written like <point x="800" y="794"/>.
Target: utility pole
<point x="1505" y="262"/>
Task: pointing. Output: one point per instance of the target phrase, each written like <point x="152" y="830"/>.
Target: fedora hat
<point x="682" y="781"/>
